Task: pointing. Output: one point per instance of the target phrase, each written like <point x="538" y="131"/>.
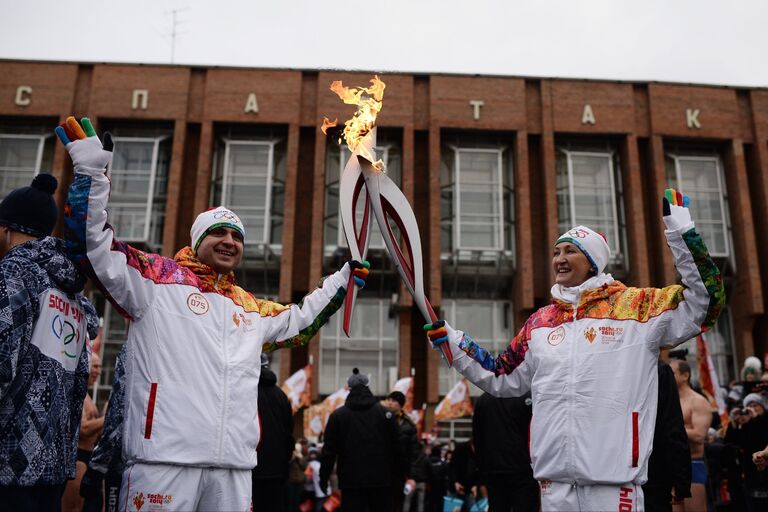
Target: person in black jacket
<point x="669" y="467"/>
<point x="409" y="440"/>
<point x="500" y="431"/>
<point x="363" y="436"/>
<point x="463" y="474"/>
<point x="276" y="445"/>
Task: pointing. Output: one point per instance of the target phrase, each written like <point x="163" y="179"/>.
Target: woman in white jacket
<point x="589" y="360"/>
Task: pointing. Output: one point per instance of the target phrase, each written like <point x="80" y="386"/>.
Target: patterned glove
<point x="677" y="217"/>
<point x="360" y="271"/>
<point x="437" y="333"/>
<point x="88" y="154"/>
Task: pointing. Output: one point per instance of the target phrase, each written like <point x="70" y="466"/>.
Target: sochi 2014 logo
<point x="590" y="334"/>
<point x="66" y="331"/>
<point x="138" y="500"/>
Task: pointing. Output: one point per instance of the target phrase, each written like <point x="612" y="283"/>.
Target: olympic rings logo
<point x="65" y="331"/>
<point x="227" y="215"/>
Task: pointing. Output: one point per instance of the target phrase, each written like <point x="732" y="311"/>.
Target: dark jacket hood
<point x="360" y="397"/>
<point x="49" y="254"/>
<point x="267" y="378"/>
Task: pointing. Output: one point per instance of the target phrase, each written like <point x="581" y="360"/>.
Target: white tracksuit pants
<point x="165" y="487"/>
<point x="566" y="497"/>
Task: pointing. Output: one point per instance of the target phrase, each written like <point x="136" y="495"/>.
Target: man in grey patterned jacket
<point x="44" y="326"/>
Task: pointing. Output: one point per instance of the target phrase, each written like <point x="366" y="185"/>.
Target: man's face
<point x="93" y="376"/>
<point x="680" y="378"/>
<point x="570" y="265"/>
<point x="393" y="405"/>
<point x="221" y="249"/>
<point x="756" y="408"/>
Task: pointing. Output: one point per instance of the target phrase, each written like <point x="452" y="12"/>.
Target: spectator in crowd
<point x="276" y="444"/>
<point x="421" y="473"/>
<point x="43" y="356"/>
<point x="749" y="432"/>
<point x="104" y="476"/>
<point x="500" y="431"/>
<point x="669" y="468"/>
<point x="760" y="458"/>
<point x="464" y="475"/>
<point x="91" y="426"/>
<point x="320" y="489"/>
<point x="438" y="483"/>
<point x="395" y="402"/>
<point x="362" y="435"/>
<point x="697" y="417"/>
<point x="296" y="477"/>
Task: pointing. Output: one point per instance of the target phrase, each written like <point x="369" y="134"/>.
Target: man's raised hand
<point x="677" y="216"/>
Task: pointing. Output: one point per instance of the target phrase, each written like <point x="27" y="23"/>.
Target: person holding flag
<point x="190" y="427"/>
<point x="590" y="362"/>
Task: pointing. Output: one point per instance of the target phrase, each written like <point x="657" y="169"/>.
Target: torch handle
<point x="349" y="302"/>
<point x="431" y="316"/>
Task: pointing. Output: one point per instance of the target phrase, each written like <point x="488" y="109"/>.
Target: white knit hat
<point x="219" y="217"/>
<point x="591" y="243"/>
<point x="755" y="398"/>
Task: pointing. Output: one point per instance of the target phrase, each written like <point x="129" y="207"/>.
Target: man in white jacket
<point x="195" y="339"/>
<point x="589" y="360"/>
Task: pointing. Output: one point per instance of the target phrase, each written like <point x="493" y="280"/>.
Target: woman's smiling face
<point x="570" y="265"/>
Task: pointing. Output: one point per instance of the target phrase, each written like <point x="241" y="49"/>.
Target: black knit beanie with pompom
<point x="31" y="210"/>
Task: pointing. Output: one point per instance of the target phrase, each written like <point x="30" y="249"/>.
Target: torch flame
<point x="369" y="103"/>
<point x="327" y="123"/>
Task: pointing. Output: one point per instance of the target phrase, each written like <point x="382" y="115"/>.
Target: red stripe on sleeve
<point x="150" y="411"/>
<point x="635" y="439"/>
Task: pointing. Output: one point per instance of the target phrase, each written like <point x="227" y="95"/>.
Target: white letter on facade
<point x="476" y="104"/>
<point x="692" y="118"/>
<point x="588" y="117"/>
<point x="251" y="105"/>
<point x="23" y="96"/>
<point x="140" y="99"/>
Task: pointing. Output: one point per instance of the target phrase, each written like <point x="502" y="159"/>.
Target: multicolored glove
<point x="437" y="333"/>
<point x="360" y="271"/>
<point x="677" y="216"/>
<point x="88" y="154"/>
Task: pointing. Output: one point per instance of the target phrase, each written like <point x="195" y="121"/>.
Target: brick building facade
<point x="495" y="167"/>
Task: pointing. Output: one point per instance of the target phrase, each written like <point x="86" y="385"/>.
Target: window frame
<point x="499" y="191"/>
<point x="722" y="194"/>
<point x="338" y="338"/>
<point x="225" y="177"/>
<point x="150" y="202"/>
<point x="38" y="157"/>
<point x="503" y="307"/>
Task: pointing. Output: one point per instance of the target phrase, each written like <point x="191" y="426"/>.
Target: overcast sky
<point x="694" y="41"/>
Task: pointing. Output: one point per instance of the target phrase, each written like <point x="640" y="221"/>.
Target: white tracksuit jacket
<point x="195" y="340"/>
<point x="589" y="360"/>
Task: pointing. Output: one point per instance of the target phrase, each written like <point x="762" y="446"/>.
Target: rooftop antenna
<point x="174" y="29"/>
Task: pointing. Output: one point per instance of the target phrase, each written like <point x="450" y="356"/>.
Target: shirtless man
<point x="697" y="416"/>
<point x="91" y="426"/>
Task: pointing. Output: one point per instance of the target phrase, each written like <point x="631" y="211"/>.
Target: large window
<point x="21" y="158"/>
<point x="113" y="335"/>
<point x="372" y="347"/>
<point x="486" y="322"/>
<point x="589" y="193"/>
<point x="336" y="159"/>
<point x="139" y="176"/>
<point x="249" y="178"/>
<point x="476" y="197"/>
<point x="701" y="178"/>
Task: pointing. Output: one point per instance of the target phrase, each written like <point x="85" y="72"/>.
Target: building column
<point x="664" y="273"/>
<point x="523" y="286"/>
<point x="433" y="267"/>
<point x="317" y="245"/>
<point x="204" y="159"/>
<point x="634" y="213"/>
<point x="549" y="167"/>
<point x="747" y="302"/>
<point x="289" y="214"/>
<point x="173" y="192"/>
